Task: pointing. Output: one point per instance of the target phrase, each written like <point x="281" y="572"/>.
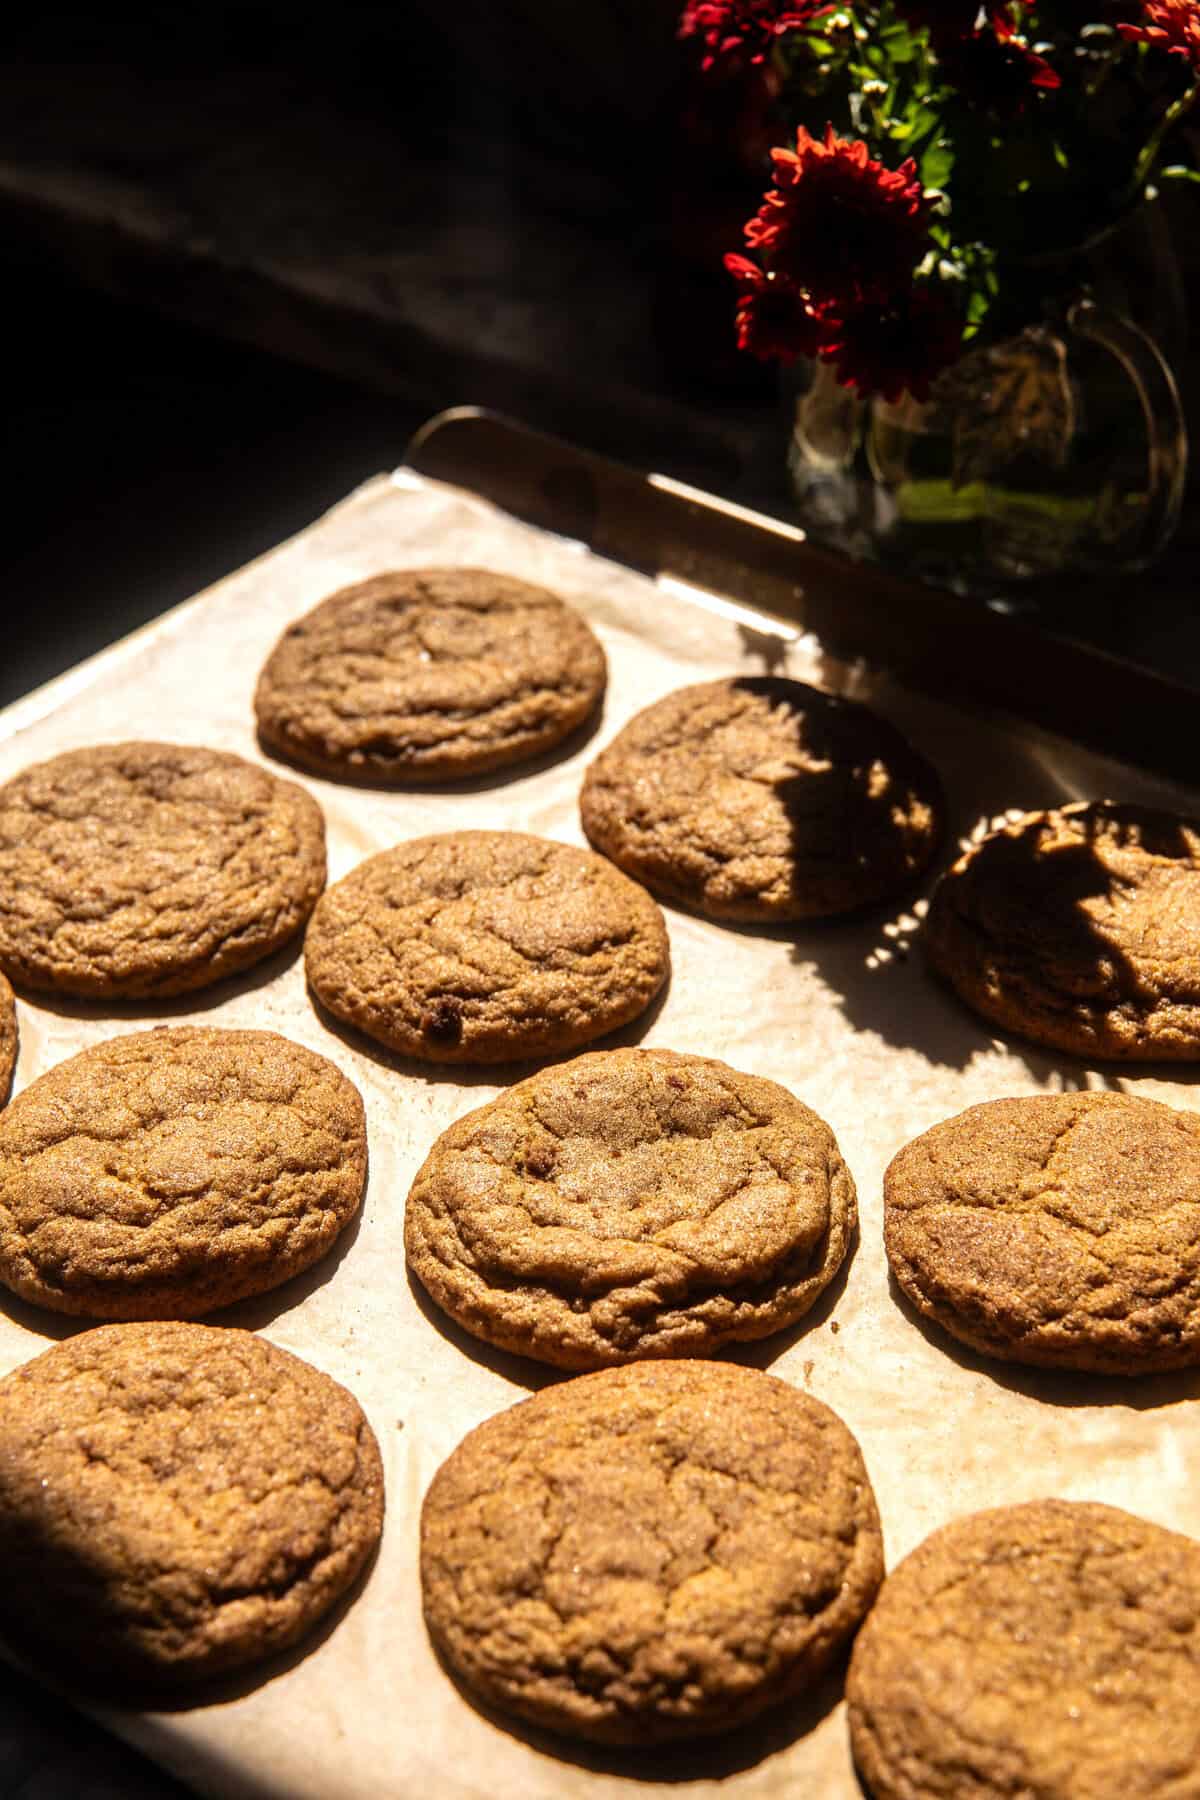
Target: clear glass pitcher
<point x="1055" y="446"/>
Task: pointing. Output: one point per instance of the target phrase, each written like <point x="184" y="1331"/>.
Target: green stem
<point x="1166" y="124"/>
<point x="1105" y="66"/>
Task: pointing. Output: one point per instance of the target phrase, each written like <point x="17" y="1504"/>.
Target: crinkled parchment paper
<point x="841" y="1014"/>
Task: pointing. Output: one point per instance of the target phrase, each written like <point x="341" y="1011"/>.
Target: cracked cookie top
<point x="763" y="798"/>
<point x="168" y="1173"/>
<point x="428" y="674"/>
<point x="1078" y="928"/>
<point x="631" y="1203"/>
<point x="8" y="1037"/>
<point x="1061" y="1230"/>
<point x="652" y="1552"/>
<point x="140" y="869"/>
<point x="1051" y="1649"/>
<point x="177" y="1501"/>
<point x="486" y="946"/>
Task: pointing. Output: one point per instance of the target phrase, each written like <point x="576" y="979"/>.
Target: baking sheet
<point x="841" y="1014"/>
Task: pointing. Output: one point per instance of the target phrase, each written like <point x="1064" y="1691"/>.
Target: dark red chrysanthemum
<point x="898" y="347"/>
<point x="742" y="31"/>
<point x="1171" y="25"/>
<point x="842" y="227"/>
<point x="774" y="319"/>
<point x="996" y="70"/>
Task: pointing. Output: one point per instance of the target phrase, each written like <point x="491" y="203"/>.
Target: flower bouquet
<point x="947" y="178"/>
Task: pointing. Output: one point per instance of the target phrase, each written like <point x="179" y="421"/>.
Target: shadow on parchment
<point x="1057" y="1387"/>
<point x="873" y="966"/>
<point x="44" y="1323"/>
<point x="697" y="1759"/>
<point x="883" y="984"/>
<point x="870" y="960"/>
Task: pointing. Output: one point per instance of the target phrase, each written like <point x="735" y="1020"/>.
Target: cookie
<point x="177" y="1501"/>
<point x="8" y="1037"/>
<point x="631" y="1203"/>
<point x="426" y="675"/>
<point x="648" y="1553"/>
<point x="761" y="798"/>
<point x="1079" y="929"/>
<point x="1061" y="1230"/>
<point x="484" y="947"/>
<point x="1051" y="1649"/>
<point x="131" y="870"/>
<point x="168" y="1173"/>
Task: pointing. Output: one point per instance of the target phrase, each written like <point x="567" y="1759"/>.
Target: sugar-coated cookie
<point x="631" y="1203"/>
<point x="1050" y="1649"/>
<point x="177" y="1501"/>
<point x="648" y="1553"/>
<point x="424" y="675"/>
<point x="167" y="1173"/>
<point x="139" y="869"/>
<point x="486" y="946"/>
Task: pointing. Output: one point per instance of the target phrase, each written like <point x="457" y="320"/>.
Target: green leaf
<point x="1179" y="172"/>
<point x="936" y="165"/>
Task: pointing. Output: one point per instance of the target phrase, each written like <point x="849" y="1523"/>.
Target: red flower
<point x="744" y="30"/>
<point x="997" y="70"/>
<point x="901" y="345"/>
<point x="774" y="319"/>
<point x="842" y="227"/>
<point x="1171" y="25"/>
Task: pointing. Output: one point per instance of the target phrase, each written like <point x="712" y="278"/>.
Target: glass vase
<point x="1055" y="447"/>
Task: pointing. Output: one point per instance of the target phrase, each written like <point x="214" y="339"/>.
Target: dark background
<point x="248" y="249"/>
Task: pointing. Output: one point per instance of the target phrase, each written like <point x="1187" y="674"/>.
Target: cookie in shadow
<point x="761" y="798"/>
<point x="1078" y="928"/>
<point x="177" y="1502"/>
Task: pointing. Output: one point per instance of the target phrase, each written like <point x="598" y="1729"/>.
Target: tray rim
<point x="955" y="650"/>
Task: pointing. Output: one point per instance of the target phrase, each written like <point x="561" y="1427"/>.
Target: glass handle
<point x="1166" y="431"/>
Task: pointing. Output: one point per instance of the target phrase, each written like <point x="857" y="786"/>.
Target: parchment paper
<point x="839" y="1014"/>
